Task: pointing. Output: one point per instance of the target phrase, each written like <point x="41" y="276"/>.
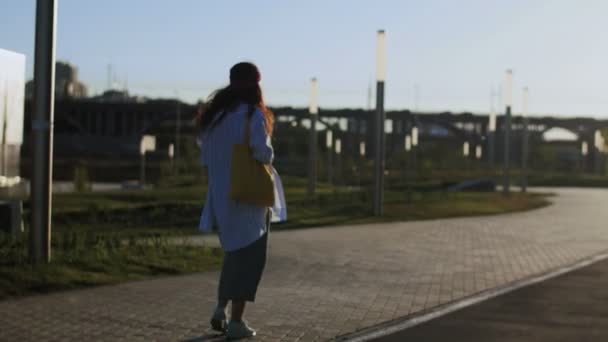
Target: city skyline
<point x="454" y="54"/>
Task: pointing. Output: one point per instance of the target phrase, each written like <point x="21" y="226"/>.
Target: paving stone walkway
<point x="324" y="283"/>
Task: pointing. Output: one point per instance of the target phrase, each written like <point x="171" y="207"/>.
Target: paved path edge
<point x="409" y="321"/>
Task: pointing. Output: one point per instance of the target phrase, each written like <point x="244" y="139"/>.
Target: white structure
<point x="599" y="141"/>
<point x="12" y="96"/>
<point x="465" y="149"/>
<point x="381" y="56"/>
<point x="338" y="146"/>
<point x="329" y="139"/>
<point x="478" y="152"/>
<point x="171" y="151"/>
<point x="147" y="144"/>
<point x="313" y="107"/>
<point x="408" y="143"/>
<point x="362" y="148"/>
<point x="415" y="136"/>
<point x="508" y="89"/>
<point x="584" y="148"/>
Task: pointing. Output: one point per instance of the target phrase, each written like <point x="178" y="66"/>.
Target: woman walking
<point x="243" y="228"/>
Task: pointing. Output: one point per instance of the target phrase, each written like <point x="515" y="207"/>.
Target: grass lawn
<point x="176" y="210"/>
<point x="423" y="206"/>
<point x="82" y="260"/>
<point x="112" y="237"/>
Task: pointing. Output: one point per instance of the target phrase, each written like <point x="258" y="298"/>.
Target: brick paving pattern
<point x="323" y="283"/>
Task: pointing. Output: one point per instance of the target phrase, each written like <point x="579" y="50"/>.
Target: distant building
<point x="67" y="85"/>
<point x="117" y="96"/>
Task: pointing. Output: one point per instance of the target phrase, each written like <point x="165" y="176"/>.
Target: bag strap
<point x="247" y="127"/>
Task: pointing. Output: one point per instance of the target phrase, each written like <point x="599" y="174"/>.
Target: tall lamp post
<point x="313" y="110"/>
<point x="584" y="153"/>
<point x="414" y="156"/>
<point x="491" y="131"/>
<point x="466" y="151"/>
<point x="178" y="129"/>
<point x="171" y="154"/>
<point x="380" y="116"/>
<point x="329" y="143"/>
<point x="339" y="160"/>
<point x="478" y="152"/>
<point x="599" y="148"/>
<point x="407" y="147"/>
<point x="506" y="182"/>
<point x="525" y="141"/>
<point x="362" y="161"/>
<point x="42" y="131"/>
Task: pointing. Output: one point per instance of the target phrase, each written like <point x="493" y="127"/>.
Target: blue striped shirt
<point x="239" y="224"/>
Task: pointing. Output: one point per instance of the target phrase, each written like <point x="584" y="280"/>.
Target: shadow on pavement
<point x="207" y="338"/>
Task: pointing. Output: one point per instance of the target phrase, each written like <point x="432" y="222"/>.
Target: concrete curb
<point x="391" y="327"/>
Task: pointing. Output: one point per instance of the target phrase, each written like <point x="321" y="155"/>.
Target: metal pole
<point x="584" y="153"/>
<point x="491" y="131"/>
<point x="507" y="127"/>
<point x="339" y="161"/>
<point x="525" y="147"/>
<point x="312" y="144"/>
<point x="312" y="163"/>
<point x="414" y="157"/>
<point x="42" y="131"/>
<point x="178" y="124"/>
<point x="506" y="167"/>
<point x="597" y="152"/>
<point x="379" y="126"/>
<point x="142" y="170"/>
<point x="491" y="147"/>
<point x="524" y="157"/>
<point x="329" y="144"/>
<point x="379" y="146"/>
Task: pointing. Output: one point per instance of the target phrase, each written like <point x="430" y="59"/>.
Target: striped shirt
<point x="239" y="224"/>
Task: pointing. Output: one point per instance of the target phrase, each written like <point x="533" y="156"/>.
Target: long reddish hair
<point x="244" y="88"/>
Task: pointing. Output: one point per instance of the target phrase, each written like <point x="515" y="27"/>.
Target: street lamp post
<point x="313" y="110"/>
<point x="491" y="132"/>
<point x="414" y="154"/>
<point x="361" y="162"/>
<point x="178" y="129"/>
<point x="584" y="153"/>
<point x="380" y="115"/>
<point x="329" y="143"/>
<point x="407" y="147"/>
<point x="599" y="148"/>
<point x="42" y="132"/>
<point x="507" y="132"/>
<point x="147" y="143"/>
<point x="171" y="154"/>
<point x="525" y="142"/>
<point x="339" y="160"/>
<point x="466" y="154"/>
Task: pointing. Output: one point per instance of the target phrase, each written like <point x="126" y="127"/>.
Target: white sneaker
<point x="238" y="330"/>
<point x="218" y="320"/>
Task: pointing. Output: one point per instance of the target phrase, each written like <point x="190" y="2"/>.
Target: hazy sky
<point x="455" y="51"/>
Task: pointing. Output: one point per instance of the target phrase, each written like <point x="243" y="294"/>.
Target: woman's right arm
<point x="260" y="140"/>
<point x="202" y="141"/>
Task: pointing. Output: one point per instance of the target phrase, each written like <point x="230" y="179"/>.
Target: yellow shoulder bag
<point x="251" y="181"/>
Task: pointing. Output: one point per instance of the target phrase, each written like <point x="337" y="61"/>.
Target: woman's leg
<point x="218" y="319"/>
<point x="222" y="303"/>
<point x="238" y="309"/>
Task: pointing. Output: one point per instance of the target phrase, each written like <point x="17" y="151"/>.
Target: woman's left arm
<point x="260" y="140"/>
